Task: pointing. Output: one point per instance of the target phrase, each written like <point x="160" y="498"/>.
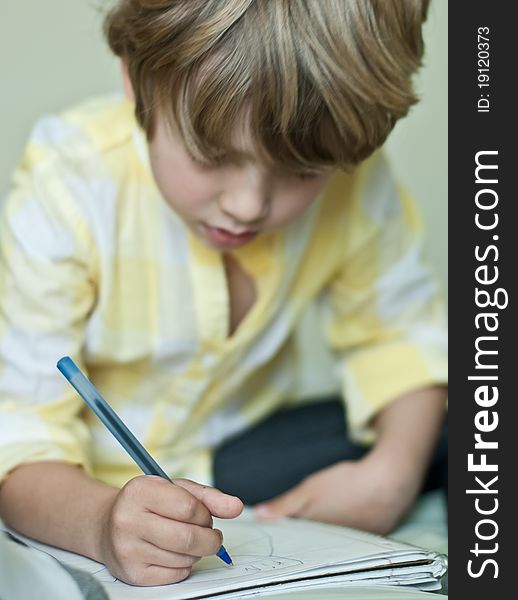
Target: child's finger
<point x="181" y="538"/>
<point x="150" y="554"/>
<point x="290" y="504"/>
<point x="154" y="575"/>
<point x="218" y="503"/>
<point x="161" y="497"/>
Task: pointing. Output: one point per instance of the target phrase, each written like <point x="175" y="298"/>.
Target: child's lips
<point x="223" y="237"/>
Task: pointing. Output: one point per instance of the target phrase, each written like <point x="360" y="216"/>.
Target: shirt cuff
<point x="373" y="377"/>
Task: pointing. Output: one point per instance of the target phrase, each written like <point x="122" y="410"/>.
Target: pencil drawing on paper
<point x="252" y="550"/>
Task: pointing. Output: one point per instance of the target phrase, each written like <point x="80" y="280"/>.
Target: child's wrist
<point x="98" y="528"/>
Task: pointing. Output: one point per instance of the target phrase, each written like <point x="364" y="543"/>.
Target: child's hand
<point x="364" y="494"/>
<point x="154" y="531"/>
<point x="375" y="492"/>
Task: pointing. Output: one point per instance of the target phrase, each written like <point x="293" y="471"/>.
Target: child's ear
<point x="128" y="87"/>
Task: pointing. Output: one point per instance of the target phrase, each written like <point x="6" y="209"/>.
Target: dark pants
<point x="280" y="452"/>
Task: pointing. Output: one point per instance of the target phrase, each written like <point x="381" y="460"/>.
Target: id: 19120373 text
<point x="483" y="69"/>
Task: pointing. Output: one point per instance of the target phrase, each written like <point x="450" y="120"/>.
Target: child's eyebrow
<point x="238" y="157"/>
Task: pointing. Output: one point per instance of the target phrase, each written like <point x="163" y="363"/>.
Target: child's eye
<point x="196" y="161"/>
<point x="308" y="174"/>
<point x="192" y="158"/>
<point x="205" y="164"/>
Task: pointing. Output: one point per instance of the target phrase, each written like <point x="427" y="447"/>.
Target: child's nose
<point x="246" y="204"/>
<point x="245" y="208"/>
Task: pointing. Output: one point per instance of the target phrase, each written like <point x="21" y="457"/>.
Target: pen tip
<point x="223" y="554"/>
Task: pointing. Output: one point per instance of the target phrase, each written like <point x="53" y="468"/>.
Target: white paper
<point x="292" y="552"/>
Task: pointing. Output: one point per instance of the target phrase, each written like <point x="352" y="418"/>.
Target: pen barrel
<point x="90" y="394"/>
<point x="110" y="418"/>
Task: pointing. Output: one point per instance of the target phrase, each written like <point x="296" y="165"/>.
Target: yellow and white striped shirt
<point x="94" y="264"/>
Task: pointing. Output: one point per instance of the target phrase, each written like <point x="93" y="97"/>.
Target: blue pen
<point x="113" y="422"/>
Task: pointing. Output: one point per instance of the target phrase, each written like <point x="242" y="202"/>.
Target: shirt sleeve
<point x="47" y="291"/>
<point x="387" y="317"/>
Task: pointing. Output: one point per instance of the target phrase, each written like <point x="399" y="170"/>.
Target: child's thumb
<point x="289" y="504"/>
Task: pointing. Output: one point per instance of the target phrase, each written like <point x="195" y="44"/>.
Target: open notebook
<point x="287" y="554"/>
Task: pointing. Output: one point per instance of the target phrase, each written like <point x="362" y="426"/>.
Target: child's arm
<point x="52" y="502"/>
<point x="388" y="325"/>
<point x="375" y="492"/>
<point x="148" y="533"/>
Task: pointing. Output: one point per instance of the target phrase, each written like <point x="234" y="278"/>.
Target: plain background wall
<point x="52" y="54"/>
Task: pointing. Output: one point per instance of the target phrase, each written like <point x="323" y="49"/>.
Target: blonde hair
<point x="321" y="82"/>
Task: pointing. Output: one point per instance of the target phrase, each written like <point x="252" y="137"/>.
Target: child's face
<point x="230" y="204"/>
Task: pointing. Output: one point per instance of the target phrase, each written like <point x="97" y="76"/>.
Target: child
<point x="223" y="266"/>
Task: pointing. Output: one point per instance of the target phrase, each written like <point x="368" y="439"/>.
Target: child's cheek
<point x="183" y="188"/>
<point x="293" y="200"/>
